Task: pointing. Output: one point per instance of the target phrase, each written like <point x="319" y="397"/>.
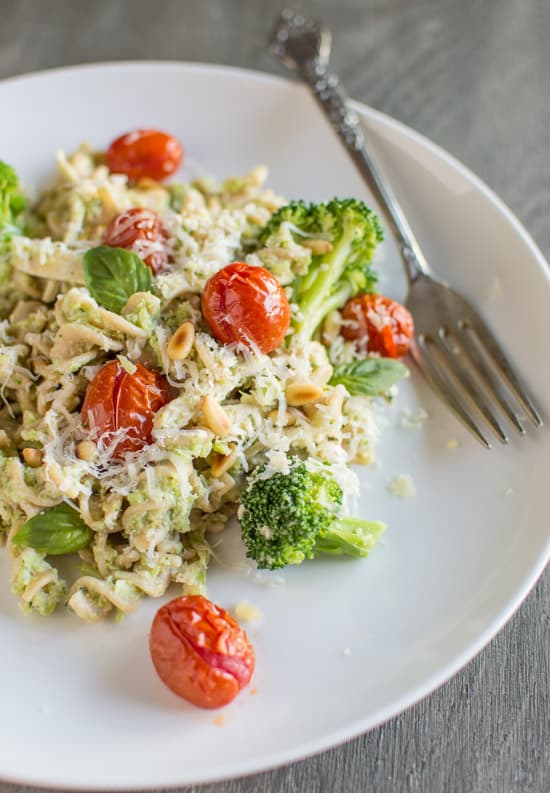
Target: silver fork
<point x="452" y="345"/>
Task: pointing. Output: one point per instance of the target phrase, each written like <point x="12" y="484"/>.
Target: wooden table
<point x="474" y="76"/>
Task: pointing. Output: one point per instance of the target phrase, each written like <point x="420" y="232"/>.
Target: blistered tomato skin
<point x="145" y="154"/>
<point x="200" y="652"/>
<point x="140" y="230"/>
<point x="116" y="399"/>
<point x="246" y="305"/>
<point x="380" y="325"/>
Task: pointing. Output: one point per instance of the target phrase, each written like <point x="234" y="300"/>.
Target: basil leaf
<point x="55" y="531"/>
<point x="112" y="275"/>
<point x="370" y="376"/>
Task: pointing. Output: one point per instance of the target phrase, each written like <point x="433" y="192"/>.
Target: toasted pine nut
<point x="214" y="204"/>
<point x="50" y="291"/>
<point x="181" y="342"/>
<point x="228" y="484"/>
<point x="255" y="218"/>
<point x="32" y="457"/>
<point x="145" y="183"/>
<point x="364" y="457"/>
<point x="215" y="416"/>
<point x="322" y="375"/>
<point x="258" y="175"/>
<point x="331" y="327"/>
<point x="87" y="451"/>
<point x="288" y="418"/>
<point x="134" y="300"/>
<point x="193" y="201"/>
<point x="279" y="253"/>
<point x="106" y="197"/>
<point x="54" y="473"/>
<point x="223" y="462"/>
<point x="317" y="247"/>
<point x="303" y="393"/>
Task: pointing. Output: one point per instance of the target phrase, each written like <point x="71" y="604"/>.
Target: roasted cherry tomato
<point x="141" y="231"/>
<point x="200" y="651"/>
<point x="145" y="153"/>
<point x="246" y="304"/>
<point x="118" y="400"/>
<point x="379" y="324"/>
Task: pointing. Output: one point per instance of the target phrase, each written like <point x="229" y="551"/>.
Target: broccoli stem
<point x="314" y="292"/>
<point x="350" y="537"/>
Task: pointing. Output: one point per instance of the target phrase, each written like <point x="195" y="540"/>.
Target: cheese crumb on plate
<point x="247" y="612"/>
<point x="402" y="486"/>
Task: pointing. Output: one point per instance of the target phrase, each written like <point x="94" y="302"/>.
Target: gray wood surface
<point x="473" y="75"/>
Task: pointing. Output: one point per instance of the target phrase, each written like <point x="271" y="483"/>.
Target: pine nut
<point x="364" y="457"/>
<point x="145" y="183"/>
<point x="110" y="209"/>
<point x="181" y="342"/>
<point x="288" y="418"/>
<point x="151" y="301"/>
<point x="32" y="457"/>
<point x="54" y="473"/>
<point x="317" y="247"/>
<point x="322" y="375"/>
<point x="228" y="484"/>
<point x="303" y="394"/>
<point x="256" y="218"/>
<point x="87" y="451"/>
<point x="258" y="175"/>
<point x="215" y="416"/>
<point x="223" y="462"/>
<point x="332" y="327"/>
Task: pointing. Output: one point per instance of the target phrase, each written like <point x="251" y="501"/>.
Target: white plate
<point x="343" y="644"/>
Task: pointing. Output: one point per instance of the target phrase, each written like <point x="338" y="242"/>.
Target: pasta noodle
<point x="151" y="512"/>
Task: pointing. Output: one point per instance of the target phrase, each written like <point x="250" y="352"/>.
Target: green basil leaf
<point x="112" y="275"/>
<point x="370" y="376"/>
<point x="55" y="531"/>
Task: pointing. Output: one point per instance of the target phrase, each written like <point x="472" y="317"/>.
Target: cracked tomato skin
<point x="379" y="324"/>
<point x="140" y="230"/>
<point x="145" y="154"/>
<point x="116" y="399"/>
<point x="200" y="652"/>
<point x="245" y="304"/>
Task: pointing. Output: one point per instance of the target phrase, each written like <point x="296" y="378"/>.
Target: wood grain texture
<point x="473" y="76"/>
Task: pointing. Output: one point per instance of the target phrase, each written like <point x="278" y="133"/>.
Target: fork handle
<point x="328" y="91"/>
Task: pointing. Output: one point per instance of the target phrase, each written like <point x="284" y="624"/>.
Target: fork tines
<point x="465" y="364"/>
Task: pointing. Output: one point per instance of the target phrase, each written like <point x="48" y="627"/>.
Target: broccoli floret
<point x="12" y="202"/>
<point x="288" y="517"/>
<point x="342" y="271"/>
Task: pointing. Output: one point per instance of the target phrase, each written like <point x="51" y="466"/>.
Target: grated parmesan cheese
<point x="149" y="510"/>
<point x="409" y="420"/>
<point x="402" y="486"/>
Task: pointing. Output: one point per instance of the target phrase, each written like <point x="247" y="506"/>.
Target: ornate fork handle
<point x="334" y="102"/>
<point x="452" y="345"/>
